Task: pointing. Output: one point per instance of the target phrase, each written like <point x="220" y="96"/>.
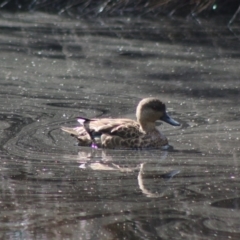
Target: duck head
<point x="149" y="110"/>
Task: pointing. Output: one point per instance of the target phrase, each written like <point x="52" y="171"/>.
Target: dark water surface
<point x="54" y="69"/>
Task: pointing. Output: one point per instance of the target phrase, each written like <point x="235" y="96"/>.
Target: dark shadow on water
<point x="138" y="55"/>
<point x="227" y="203"/>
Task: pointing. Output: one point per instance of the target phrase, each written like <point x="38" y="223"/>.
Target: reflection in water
<point x="106" y="163"/>
<point x="147" y="192"/>
<point x="55" y="69"/>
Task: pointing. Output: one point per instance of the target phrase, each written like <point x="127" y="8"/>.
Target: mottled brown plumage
<point x="121" y="133"/>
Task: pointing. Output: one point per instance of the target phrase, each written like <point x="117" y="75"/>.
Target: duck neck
<point x="147" y="126"/>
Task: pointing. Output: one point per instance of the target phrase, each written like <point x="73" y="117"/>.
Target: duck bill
<point x="166" y="118"/>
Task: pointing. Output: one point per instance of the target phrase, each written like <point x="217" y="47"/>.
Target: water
<point x="54" y="69"/>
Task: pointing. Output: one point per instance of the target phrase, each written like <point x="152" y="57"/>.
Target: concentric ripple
<point x="54" y="69"/>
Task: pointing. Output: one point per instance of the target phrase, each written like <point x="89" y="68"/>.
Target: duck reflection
<point x="104" y="160"/>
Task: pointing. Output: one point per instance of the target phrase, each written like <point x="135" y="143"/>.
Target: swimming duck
<point x="121" y="133"/>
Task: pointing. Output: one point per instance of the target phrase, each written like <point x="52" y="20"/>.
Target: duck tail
<point x="72" y="131"/>
<point x="83" y="120"/>
<point x="85" y="123"/>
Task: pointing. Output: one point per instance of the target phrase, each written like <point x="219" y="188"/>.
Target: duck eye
<point x="158" y="107"/>
<point x="155" y="108"/>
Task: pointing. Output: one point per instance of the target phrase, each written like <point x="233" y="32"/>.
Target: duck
<point x="123" y="133"/>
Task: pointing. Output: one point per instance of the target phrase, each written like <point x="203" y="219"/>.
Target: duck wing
<point x="125" y="131"/>
<point x="90" y="130"/>
<point x="125" y="128"/>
